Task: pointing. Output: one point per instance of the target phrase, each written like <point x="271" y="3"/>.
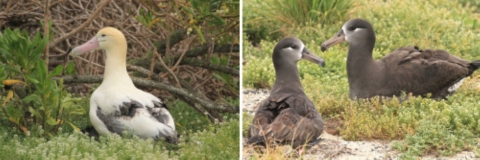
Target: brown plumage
<point x="407" y="69"/>
<point x="287" y="116"/>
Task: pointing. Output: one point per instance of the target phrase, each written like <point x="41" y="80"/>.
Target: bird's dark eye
<point x="103" y="35"/>
<point x="294" y="46"/>
<point x="352" y="28"/>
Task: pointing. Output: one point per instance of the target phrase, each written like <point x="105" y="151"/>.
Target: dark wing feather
<point x="112" y="124"/>
<point x="290" y="119"/>
<point x="125" y="110"/>
<point x="129" y="108"/>
<point x="160" y="112"/>
<point x="420" y="72"/>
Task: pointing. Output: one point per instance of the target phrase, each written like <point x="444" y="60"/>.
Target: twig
<point x="85" y="60"/>
<point x="151" y="10"/>
<point x="194" y="62"/>
<point x="144" y="71"/>
<point x="152" y="64"/>
<point x="83" y="25"/>
<point x="166" y="67"/>
<point x="46" y="30"/>
<point x="184" y="51"/>
<point x="7" y="8"/>
<point x="192" y="53"/>
<point x="142" y="83"/>
<point x="187" y="45"/>
<point x="55" y="3"/>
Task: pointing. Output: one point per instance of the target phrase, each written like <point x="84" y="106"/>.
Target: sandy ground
<point x="334" y="147"/>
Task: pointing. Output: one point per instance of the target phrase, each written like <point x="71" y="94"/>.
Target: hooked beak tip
<point x="324" y="48"/>
<point x="74" y="52"/>
<point x="322" y="63"/>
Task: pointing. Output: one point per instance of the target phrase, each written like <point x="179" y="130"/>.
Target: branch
<point x="46" y="30"/>
<point x="191" y="53"/>
<point x="54" y="42"/>
<point x="198" y="63"/>
<point x="152" y="84"/>
<point x="175" y="37"/>
<point x="7" y="8"/>
<point x="165" y="66"/>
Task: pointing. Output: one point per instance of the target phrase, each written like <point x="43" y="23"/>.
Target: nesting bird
<point x="287" y="116"/>
<point x="117" y="105"/>
<point x="407" y="69"/>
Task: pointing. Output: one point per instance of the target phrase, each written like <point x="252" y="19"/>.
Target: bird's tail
<point x="256" y="140"/>
<point x="475" y="64"/>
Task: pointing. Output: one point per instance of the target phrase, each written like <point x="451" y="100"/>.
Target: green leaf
<point x="220" y="21"/>
<point x="219" y="77"/>
<point x="41" y="68"/>
<point x="51" y="121"/>
<point x="70" y="68"/>
<point x="215" y="60"/>
<point x="57" y="71"/>
<point x="199" y="32"/>
<point x="77" y="112"/>
<point x="31" y="79"/>
<point x="34" y="112"/>
<point x="32" y="97"/>
<point x="74" y="127"/>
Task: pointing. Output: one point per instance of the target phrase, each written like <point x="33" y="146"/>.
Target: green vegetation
<point x="46" y="100"/>
<point x="40" y="119"/>
<point x="273" y="19"/>
<point x="215" y="142"/>
<point x="419" y="126"/>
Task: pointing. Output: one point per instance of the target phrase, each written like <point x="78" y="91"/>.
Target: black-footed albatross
<point x="287" y="116"/>
<point x="407" y="69"/>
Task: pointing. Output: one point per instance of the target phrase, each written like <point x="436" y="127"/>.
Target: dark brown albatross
<point x="287" y="116"/>
<point x="407" y="69"/>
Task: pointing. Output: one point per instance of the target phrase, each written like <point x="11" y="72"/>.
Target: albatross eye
<point x="352" y="28"/>
<point x="103" y="35"/>
<point x="293" y="46"/>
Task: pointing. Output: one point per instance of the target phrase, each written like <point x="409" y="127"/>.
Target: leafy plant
<point x="79" y="146"/>
<point x="264" y="18"/>
<point x="216" y="141"/>
<point x="46" y="103"/>
<point x="232" y="83"/>
<point x="195" y="16"/>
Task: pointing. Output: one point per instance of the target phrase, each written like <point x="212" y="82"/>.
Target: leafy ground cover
<point x="418" y="126"/>
<point x="199" y="139"/>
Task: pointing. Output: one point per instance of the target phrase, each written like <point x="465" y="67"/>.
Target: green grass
<point x="199" y="139"/>
<point x="418" y="126"/>
<point x="272" y="19"/>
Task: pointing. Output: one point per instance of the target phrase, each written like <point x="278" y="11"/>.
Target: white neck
<point x="116" y="68"/>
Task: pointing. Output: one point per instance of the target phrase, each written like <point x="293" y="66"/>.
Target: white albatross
<point x="117" y="105"/>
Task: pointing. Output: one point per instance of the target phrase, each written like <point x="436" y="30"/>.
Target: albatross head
<point x="355" y="31"/>
<point x="108" y="38"/>
<point x="292" y="49"/>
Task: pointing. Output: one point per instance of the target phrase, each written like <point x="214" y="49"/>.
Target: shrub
<point x="214" y="142"/>
<point x="80" y="146"/>
<point x="45" y="103"/>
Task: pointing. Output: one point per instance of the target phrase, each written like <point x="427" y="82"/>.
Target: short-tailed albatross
<point x="117" y="105"/>
<point x="287" y="116"/>
<point x="407" y="69"/>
